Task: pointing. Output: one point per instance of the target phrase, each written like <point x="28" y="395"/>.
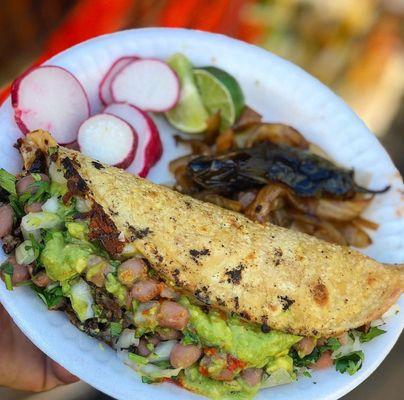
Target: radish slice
<point x="149" y="147"/>
<point x="52" y="99"/>
<point x="148" y="84"/>
<point x="104" y="90"/>
<point x="108" y="139"/>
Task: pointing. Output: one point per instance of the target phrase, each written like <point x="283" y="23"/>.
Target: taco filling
<point x="68" y="249"/>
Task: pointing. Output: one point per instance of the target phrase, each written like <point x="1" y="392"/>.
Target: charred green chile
<point x="307" y="174"/>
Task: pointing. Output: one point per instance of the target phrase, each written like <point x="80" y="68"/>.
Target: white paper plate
<point x="281" y="92"/>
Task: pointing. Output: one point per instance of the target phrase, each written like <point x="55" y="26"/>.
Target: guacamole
<point x="113" y="286"/>
<point x="244" y="341"/>
<point x="192" y="380"/>
<point x="63" y="261"/>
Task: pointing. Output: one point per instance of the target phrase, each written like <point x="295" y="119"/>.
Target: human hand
<point x="22" y="365"/>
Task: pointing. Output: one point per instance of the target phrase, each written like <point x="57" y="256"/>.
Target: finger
<point x="62" y="374"/>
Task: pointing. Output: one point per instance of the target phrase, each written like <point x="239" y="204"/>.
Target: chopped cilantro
<point x="51" y="297"/>
<point x="7" y="182"/>
<point x="190" y="338"/>
<point x="306" y="360"/>
<point x="350" y="363"/>
<point x="373" y="332"/>
<point x="307" y="374"/>
<point x="115" y="329"/>
<point x="7" y="269"/>
<point x="36" y="246"/>
<point x="16" y="206"/>
<point x="42" y="190"/>
<point x="146" y="379"/>
<point x="331" y="344"/>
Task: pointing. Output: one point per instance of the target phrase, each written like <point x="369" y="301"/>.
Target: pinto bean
<point x="142" y="349"/>
<point x="305" y="346"/>
<point x="173" y="315"/>
<point x="20" y="272"/>
<point x="252" y="376"/>
<point x="131" y="271"/>
<point x="325" y="361"/>
<point x="154" y="340"/>
<point x="33" y="208"/>
<point x="23" y="185"/>
<point x="224" y="375"/>
<point x="169" y="334"/>
<point x="184" y="356"/>
<point x="41" y="279"/>
<point x="6" y="220"/>
<point x="169" y="293"/>
<point x="145" y="290"/>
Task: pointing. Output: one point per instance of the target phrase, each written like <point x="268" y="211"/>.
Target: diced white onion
<point x="51" y="205"/>
<point x="24" y="254"/>
<point x="82" y="205"/>
<point x="162" y="351"/>
<point x="126" y="339"/>
<point x="81" y="292"/>
<point x="32" y="222"/>
<point x="56" y="174"/>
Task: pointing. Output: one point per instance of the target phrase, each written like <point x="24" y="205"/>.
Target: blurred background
<point x="354" y="46"/>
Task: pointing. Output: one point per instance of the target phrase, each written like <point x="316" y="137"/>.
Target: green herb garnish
<point x="7" y="269"/>
<point x="331" y="344"/>
<point x="373" y="332"/>
<point x="306" y="361"/>
<point x="146" y="379"/>
<point x="7" y="182"/>
<point x="16" y="206"/>
<point x="51" y="297"/>
<point x="115" y="329"/>
<point x="350" y="363"/>
<point x="41" y="193"/>
<point x="190" y="338"/>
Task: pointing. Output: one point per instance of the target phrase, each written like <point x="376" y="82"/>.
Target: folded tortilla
<point x="270" y="275"/>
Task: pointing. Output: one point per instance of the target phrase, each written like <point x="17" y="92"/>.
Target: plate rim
<point x="128" y="34"/>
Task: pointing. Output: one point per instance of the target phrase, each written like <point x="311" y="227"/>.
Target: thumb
<point x="60" y="373"/>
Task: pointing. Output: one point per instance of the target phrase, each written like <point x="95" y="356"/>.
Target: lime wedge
<point x="189" y="115"/>
<point x="220" y="92"/>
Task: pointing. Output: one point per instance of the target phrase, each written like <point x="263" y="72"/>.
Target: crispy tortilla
<point x="267" y="274"/>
